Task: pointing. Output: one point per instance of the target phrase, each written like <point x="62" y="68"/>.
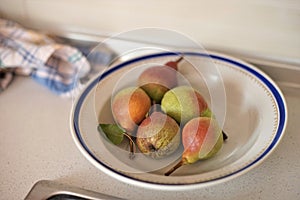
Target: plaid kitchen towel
<point x="59" y="67"/>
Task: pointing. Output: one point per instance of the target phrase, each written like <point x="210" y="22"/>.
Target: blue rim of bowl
<point x="271" y="86"/>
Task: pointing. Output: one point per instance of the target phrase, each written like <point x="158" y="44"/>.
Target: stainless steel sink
<point x="51" y="190"/>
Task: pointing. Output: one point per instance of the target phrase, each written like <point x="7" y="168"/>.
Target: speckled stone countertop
<point x="36" y="144"/>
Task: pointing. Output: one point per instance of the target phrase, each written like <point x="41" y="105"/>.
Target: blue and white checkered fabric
<point x="26" y="52"/>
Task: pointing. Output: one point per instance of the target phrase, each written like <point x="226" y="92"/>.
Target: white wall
<point x="266" y="27"/>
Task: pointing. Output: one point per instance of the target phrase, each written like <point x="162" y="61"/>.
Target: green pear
<point x="202" y="138"/>
<point x="158" y="135"/>
<point x="157" y="80"/>
<point x="184" y="103"/>
<point x="129" y="107"/>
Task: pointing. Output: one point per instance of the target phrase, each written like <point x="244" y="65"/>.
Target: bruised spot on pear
<point x="130" y="106"/>
<point x="158" y="135"/>
<point x="184" y="103"/>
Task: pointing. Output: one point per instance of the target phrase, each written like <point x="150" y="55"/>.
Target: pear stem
<point x="170" y="171"/>
<point x="179" y="59"/>
<point x="131" y="145"/>
<point x="155" y="108"/>
<point x="225" y="137"/>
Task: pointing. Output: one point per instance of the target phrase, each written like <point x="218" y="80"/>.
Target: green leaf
<point x="113" y="132"/>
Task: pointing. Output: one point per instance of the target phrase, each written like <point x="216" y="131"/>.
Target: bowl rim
<point x="271" y="85"/>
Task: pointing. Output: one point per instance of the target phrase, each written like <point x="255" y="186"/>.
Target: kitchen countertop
<point x="36" y="144"/>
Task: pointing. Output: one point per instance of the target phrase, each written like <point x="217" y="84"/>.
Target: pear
<point x="157" y="80"/>
<point x="184" y="103"/>
<point x="129" y="107"/>
<point x="202" y="138"/>
<point x="158" y="135"/>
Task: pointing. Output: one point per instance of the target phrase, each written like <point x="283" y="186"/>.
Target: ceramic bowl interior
<point x="247" y="103"/>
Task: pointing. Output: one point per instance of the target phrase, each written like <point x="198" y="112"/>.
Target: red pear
<point x="157" y="80"/>
<point x="202" y="138"/>
<point x="129" y="107"/>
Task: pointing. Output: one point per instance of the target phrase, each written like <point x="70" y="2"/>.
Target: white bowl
<point x="252" y="111"/>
